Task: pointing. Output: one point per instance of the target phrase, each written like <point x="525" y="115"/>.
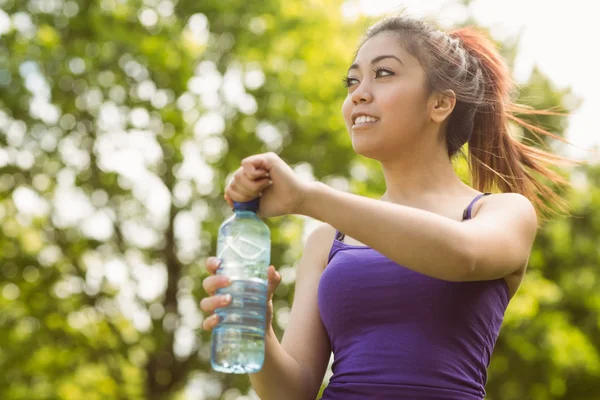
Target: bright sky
<point x="556" y="35"/>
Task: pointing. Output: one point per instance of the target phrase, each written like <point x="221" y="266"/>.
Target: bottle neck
<point x="244" y="213"/>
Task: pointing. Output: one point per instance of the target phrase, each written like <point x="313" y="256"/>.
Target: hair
<point x="467" y="62"/>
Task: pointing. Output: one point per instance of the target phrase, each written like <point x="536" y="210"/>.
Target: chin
<point x="367" y="149"/>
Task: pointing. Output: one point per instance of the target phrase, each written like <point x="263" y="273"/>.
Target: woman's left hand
<point x="282" y="191"/>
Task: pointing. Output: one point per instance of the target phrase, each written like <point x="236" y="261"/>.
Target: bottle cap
<point x="251" y="205"/>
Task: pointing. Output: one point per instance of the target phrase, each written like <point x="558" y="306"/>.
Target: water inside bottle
<point x="238" y="342"/>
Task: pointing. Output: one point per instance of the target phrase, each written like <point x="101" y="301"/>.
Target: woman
<point x="408" y="291"/>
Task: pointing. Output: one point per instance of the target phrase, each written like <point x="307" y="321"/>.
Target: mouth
<point x="364" y="121"/>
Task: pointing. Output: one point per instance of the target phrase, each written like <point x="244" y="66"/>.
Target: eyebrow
<point x="377" y="59"/>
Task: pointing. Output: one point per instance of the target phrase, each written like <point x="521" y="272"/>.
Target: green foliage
<point x="548" y="346"/>
<point x="120" y="121"/>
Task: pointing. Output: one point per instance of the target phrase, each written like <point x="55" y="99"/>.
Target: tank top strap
<point x="339" y="236"/>
<point x="467" y="211"/>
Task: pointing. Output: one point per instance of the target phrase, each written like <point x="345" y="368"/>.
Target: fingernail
<point x="226" y="281"/>
<point x="214" y="318"/>
<point x="227" y="298"/>
<point x="219" y="261"/>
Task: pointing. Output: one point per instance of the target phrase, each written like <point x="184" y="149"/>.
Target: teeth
<point x="364" y="118"/>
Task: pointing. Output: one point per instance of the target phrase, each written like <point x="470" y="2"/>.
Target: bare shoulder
<point x="512" y="213"/>
<point x="508" y="203"/>
<point x="319" y="241"/>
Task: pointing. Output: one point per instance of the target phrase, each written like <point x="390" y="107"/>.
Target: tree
<point x="120" y="121"/>
<point x="548" y="346"/>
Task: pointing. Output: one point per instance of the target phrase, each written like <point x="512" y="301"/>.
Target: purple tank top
<point x="398" y="334"/>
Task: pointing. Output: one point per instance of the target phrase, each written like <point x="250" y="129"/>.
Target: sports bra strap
<point x="467" y="212"/>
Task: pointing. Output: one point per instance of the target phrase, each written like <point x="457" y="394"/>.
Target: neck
<point x="416" y="174"/>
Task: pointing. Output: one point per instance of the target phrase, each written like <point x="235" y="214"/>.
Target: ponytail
<point x="497" y="160"/>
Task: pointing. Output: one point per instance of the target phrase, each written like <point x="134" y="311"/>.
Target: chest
<point x="362" y="287"/>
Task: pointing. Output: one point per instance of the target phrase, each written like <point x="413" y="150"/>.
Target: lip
<point x="364" y="125"/>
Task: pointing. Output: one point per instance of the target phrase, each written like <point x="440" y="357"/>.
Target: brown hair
<point x="467" y="62"/>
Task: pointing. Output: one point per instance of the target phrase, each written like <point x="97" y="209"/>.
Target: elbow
<point x="469" y="266"/>
<point x="465" y="267"/>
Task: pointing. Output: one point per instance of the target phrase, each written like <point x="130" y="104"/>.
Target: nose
<point x="362" y="94"/>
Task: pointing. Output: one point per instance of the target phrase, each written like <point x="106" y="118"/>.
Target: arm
<point x="295" y="368"/>
<point x="495" y="244"/>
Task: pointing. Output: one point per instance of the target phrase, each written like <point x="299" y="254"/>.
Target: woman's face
<point x="386" y="107"/>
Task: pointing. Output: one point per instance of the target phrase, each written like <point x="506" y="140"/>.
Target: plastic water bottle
<point x="244" y="247"/>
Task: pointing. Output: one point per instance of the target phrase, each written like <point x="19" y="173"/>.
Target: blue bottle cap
<point x="251" y="205"/>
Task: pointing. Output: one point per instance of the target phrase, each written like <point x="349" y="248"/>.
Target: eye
<point x="381" y="72"/>
<point x="348" y="81"/>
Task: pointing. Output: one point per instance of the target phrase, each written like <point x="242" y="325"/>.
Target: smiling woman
<point x="409" y="291"/>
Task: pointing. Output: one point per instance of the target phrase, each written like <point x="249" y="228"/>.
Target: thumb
<point x="274" y="279"/>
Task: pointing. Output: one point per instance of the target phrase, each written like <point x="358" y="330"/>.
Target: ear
<point x="442" y="104"/>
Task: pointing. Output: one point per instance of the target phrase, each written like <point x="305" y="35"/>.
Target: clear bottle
<point x="244" y="246"/>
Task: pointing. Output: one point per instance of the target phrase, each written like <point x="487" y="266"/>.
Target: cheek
<point x="347" y="109"/>
<point x="406" y="106"/>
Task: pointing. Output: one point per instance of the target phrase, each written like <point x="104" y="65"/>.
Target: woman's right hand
<point x="212" y="302"/>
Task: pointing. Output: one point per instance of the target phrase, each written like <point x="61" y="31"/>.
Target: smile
<point x="364" y="121"/>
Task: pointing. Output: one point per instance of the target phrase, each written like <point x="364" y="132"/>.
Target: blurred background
<point x="120" y="121"/>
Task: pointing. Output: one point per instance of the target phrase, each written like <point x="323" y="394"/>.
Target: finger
<point x="255" y="187"/>
<point x="210" y="322"/>
<point x="264" y="161"/>
<point x="259" y="173"/>
<point x="233" y="187"/>
<point x="211" y="303"/>
<point x="212" y="264"/>
<point x="214" y="282"/>
<point x="228" y="200"/>
<point x="236" y="196"/>
<point x="252" y="172"/>
<point x="274" y="279"/>
<point x="243" y="186"/>
<point x="236" y="193"/>
<point x="251" y="182"/>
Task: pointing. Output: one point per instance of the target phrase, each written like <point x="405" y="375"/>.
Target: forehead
<point x="384" y="43"/>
